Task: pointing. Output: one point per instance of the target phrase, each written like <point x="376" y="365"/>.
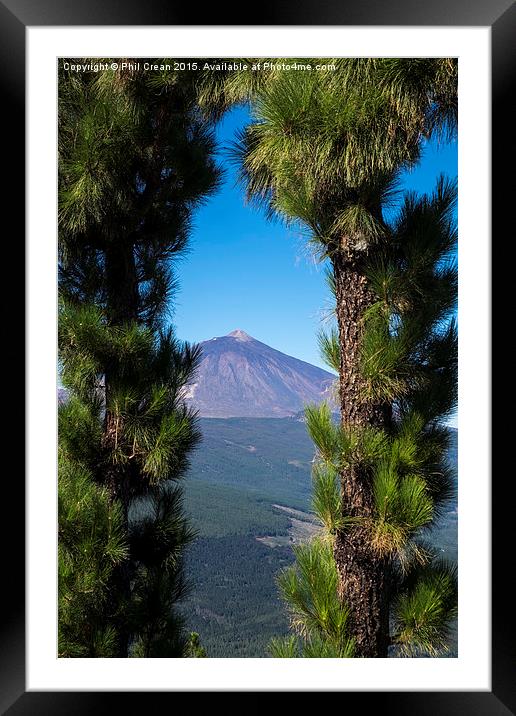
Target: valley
<point x="249" y="507"/>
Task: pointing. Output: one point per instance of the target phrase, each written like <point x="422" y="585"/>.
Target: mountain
<point x="240" y="376"/>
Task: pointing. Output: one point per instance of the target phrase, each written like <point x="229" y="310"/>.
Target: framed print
<point x="39" y="41"/>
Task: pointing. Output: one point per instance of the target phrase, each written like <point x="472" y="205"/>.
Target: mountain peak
<point x="240" y="335"/>
<point x="241" y="376"/>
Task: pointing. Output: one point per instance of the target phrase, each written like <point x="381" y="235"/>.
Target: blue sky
<point x="243" y="271"/>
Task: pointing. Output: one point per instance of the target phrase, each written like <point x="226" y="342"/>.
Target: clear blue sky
<point x="243" y="271"/>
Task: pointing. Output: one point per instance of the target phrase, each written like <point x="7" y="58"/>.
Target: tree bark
<point x="363" y="575"/>
<point x="121" y="282"/>
<point x="122" y="308"/>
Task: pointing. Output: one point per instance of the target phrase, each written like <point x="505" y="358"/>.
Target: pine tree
<point x="135" y="160"/>
<point x="409" y="355"/>
<point x="91" y="543"/>
<point x="324" y="152"/>
<point x="195" y="650"/>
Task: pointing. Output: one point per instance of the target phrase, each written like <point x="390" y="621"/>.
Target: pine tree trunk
<point x="122" y="308"/>
<point x="121" y="282"/>
<point x="363" y="576"/>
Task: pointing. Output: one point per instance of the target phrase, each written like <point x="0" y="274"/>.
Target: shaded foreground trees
<point x="135" y="160"/>
<point x="324" y="152"/>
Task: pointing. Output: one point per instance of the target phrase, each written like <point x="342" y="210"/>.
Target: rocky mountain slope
<point x="240" y="376"/>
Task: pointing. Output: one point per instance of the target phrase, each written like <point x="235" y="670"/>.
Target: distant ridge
<point x="241" y="377"/>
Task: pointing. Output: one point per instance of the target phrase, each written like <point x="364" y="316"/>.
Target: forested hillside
<point x="231" y="492"/>
<point x="269" y="456"/>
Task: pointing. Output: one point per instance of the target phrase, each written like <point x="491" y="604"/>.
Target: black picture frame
<point x="15" y="17"/>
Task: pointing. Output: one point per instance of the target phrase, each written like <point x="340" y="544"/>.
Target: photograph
<point x="257" y="367"/>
